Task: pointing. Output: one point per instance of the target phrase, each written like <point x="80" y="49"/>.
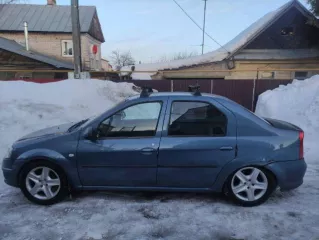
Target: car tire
<point x="250" y="186"/>
<point x="43" y="183"/>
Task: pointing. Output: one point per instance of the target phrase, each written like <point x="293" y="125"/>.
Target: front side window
<point x="196" y="119"/>
<point x="135" y="121"/>
<point x="67" y="48"/>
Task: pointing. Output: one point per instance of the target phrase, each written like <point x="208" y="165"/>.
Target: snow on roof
<point x="218" y="55"/>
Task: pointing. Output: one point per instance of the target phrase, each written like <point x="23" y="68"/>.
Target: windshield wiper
<point x="75" y="126"/>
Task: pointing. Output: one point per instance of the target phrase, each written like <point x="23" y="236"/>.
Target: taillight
<point x="301" y="138"/>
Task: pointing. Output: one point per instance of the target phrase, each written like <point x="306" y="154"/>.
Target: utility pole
<point x="76" y="36"/>
<point x="203" y="42"/>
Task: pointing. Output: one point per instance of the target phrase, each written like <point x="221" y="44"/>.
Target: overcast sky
<point x="151" y="29"/>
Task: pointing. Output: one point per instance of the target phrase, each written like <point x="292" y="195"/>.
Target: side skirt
<point x="154" y="189"/>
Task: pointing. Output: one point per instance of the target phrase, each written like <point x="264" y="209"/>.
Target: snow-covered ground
<point x="25" y="107"/>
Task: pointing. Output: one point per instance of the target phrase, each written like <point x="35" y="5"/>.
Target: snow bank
<point x="26" y="107"/>
<point x="297" y="103"/>
<point x="214" y="56"/>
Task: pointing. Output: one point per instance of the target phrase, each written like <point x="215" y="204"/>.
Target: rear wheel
<point x="43" y="183"/>
<point x="251" y="186"/>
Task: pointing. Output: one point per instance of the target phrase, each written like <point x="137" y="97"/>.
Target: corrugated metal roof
<point x="43" y="18"/>
<point x="12" y="46"/>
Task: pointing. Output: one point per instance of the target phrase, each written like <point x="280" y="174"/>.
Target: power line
<point x="199" y="26"/>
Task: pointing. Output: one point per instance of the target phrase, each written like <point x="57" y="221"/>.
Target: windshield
<point x="78" y="124"/>
<point x="92" y="119"/>
<point x="245" y="109"/>
<point x="261" y="118"/>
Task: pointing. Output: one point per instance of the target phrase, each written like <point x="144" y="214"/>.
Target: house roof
<point x="14" y="47"/>
<point x="44" y="18"/>
<point x="232" y="47"/>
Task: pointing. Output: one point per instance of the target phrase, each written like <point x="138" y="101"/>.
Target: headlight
<point x="8" y="153"/>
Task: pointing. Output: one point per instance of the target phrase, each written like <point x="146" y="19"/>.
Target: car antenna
<point x="146" y="91"/>
<point x="195" y="89"/>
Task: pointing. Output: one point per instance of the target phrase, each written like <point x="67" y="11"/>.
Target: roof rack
<point x="146" y="91"/>
<point x="195" y="89"/>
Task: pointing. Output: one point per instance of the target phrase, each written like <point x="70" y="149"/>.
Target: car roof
<point x="175" y="94"/>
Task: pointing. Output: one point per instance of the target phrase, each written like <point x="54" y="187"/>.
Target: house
<point x="285" y="40"/>
<point x="50" y="33"/>
<point x="106" y="66"/>
<point x="18" y="63"/>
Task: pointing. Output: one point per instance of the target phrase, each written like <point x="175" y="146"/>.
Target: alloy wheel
<point x="43" y="183"/>
<point x="249" y="184"/>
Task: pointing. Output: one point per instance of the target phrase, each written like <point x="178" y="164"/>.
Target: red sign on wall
<point x="94" y="49"/>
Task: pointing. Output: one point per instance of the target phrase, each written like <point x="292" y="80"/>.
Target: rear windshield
<point x="241" y="108"/>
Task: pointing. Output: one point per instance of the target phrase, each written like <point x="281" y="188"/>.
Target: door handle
<point x="147" y="151"/>
<point x="226" y="148"/>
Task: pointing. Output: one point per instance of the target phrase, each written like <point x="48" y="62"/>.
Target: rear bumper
<point x="289" y="174"/>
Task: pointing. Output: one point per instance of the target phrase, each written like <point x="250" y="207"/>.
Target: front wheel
<point x="251" y="186"/>
<point x="43" y="183"/>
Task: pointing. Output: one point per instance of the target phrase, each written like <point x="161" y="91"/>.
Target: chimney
<point x="26" y="36"/>
<point x="51" y="2"/>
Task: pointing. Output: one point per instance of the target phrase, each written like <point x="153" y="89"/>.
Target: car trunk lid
<point x="289" y="126"/>
<point x="283" y="124"/>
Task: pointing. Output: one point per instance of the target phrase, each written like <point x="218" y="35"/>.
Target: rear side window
<point x="196" y="119"/>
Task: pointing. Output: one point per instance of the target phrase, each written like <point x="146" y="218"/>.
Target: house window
<point x="301" y="75"/>
<point x="67" y="48"/>
<point x="268" y="75"/>
<point x="287" y="31"/>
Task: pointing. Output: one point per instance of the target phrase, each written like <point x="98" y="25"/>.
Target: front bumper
<point x="9" y="173"/>
<point x="289" y="174"/>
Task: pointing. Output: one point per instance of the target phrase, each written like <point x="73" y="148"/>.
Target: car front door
<point x="125" y="152"/>
<point x="198" y="139"/>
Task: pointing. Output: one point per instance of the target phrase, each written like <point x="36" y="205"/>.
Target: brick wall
<point x="50" y="44"/>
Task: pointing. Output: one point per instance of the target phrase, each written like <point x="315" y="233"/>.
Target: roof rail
<point x="195" y="89"/>
<point x="146" y="91"/>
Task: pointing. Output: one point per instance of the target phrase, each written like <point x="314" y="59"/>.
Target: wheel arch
<point x="234" y="166"/>
<point x="69" y="168"/>
<point x="263" y="167"/>
<point x="40" y="160"/>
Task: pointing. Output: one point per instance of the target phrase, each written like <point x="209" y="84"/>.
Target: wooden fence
<point x="244" y="92"/>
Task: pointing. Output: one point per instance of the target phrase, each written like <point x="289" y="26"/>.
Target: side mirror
<point x="90" y="133"/>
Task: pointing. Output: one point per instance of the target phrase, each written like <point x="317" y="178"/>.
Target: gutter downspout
<point x="26" y="36"/>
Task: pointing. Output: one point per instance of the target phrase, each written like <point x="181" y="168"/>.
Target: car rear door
<point x="198" y="139"/>
<point x="125" y="153"/>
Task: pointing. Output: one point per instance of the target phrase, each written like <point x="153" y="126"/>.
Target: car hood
<point x="56" y="130"/>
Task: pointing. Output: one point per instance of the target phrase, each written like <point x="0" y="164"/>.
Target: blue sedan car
<point x="161" y="142"/>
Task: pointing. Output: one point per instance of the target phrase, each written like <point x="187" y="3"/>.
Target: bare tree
<point x="121" y="59"/>
<point x="314" y="6"/>
<point x="177" y="56"/>
<point x="183" y="55"/>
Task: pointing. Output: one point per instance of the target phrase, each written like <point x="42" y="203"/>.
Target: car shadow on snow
<point x="146" y="196"/>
